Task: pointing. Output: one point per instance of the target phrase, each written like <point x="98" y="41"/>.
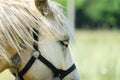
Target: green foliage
<point x="99" y="11"/>
<point x="62" y="2"/>
<point x="79" y="3"/>
<point x="102" y="10"/>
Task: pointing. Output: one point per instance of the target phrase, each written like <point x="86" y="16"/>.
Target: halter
<point x="36" y="55"/>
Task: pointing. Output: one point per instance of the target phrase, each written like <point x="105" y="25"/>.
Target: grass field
<point x="96" y="55"/>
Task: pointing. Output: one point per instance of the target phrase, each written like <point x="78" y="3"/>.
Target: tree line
<point x="97" y="13"/>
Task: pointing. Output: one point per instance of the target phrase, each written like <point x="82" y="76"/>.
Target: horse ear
<point x="42" y="6"/>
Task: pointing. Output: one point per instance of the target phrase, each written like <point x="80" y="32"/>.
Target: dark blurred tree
<point x="101" y="11"/>
<point x="96" y="13"/>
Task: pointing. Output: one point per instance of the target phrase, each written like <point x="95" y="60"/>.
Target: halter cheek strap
<point x="37" y="56"/>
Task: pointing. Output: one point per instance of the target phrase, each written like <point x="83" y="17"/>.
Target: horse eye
<point x="65" y="43"/>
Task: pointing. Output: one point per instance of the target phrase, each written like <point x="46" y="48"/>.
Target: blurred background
<point x="94" y="14"/>
<point x="96" y="24"/>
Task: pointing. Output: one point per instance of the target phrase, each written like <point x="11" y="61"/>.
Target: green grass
<point x="96" y="55"/>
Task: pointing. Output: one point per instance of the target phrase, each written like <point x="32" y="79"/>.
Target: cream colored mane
<point x="18" y="18"/>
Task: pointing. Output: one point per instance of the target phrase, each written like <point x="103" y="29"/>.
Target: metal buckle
<point x="35" y="54"/>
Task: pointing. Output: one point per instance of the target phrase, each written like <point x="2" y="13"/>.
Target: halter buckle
<point x="35" y="54"/>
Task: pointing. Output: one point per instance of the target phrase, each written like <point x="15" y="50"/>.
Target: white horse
<point x="35" y="41"/>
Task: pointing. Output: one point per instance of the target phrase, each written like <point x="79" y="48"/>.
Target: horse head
<point x="35" y="41"/>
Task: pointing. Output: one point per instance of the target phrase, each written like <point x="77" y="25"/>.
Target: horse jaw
<point x="72" y="76"/>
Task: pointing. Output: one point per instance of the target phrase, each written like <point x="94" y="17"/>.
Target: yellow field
<point x="96" y="55"/>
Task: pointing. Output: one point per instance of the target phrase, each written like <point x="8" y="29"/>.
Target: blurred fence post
<point x="71" y="12"/>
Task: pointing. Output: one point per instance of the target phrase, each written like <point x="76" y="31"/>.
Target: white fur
<point x="17" y="20"/>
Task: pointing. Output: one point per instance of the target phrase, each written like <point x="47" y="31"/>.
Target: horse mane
<point x="19" y="18"/>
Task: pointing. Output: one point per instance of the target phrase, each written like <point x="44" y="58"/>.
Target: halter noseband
<point x="36" y="55"/>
